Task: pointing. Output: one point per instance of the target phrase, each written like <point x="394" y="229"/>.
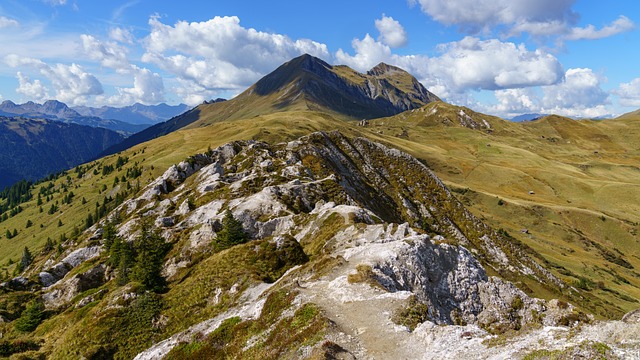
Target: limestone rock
<point x="60" y="294"/>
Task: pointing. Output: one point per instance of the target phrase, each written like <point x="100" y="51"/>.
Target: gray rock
<point x="60" y="294"/>
<point x="632" y="317"/>
<point x="46" y="279"/>
<point x="167" y="221"/>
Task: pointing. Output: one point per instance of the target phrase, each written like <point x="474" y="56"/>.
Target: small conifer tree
<point x="26" y="259"/>
<point x="232" y="233"/>
<point x="31" y="317"/>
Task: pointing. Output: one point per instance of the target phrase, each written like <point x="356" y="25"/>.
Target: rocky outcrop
<point x="59" y="295"/>
<point x="75" y="258"/>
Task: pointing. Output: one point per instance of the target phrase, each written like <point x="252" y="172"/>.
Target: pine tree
<point x="29" y="223"/>
<point x="89" y="221"/>
<point x="48" y="246"/>
<point x="150" y="251"/>
<point x="26" y="259"/>
<point x="31" y="317"/>
<point x="108" y="234"/>
<point x="121" y="257"/>
<point x="232" y="233"/>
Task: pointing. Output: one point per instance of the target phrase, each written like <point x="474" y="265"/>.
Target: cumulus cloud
<point x="629" y="93"/>
<point x="469" y="64"/>
<point x="579" y="95"/>
<point x="391" y="32"/>
<point x="512" y="102"/>
<point x="148" y="87"/>
<point x="580" y="88"/>
<point x="7" y="22"/>
<point x="109" y="54"/>
<point x="72" y="84"/>
<point x="492" y="64"/>
<point x="622" y="24"/>
<point x="368" y="53"/>
<point x="220" y="54"/>
<point x="31" y="89"/>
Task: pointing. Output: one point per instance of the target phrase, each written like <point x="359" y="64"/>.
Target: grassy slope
<point x="575" y="188"/>
<point x="584" y="176"/>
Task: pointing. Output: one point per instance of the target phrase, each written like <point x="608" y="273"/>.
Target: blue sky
<point x="504" y="57"/>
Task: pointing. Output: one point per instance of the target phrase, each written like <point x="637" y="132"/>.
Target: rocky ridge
<point x="394" y="266"/>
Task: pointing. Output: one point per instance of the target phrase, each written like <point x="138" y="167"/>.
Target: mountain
<point x="50" y="108"/>
<point x="306" y="83"/>
<point x="263" y="231"/>
<point x="58" y="111"/>
<point x="33" y="148"/>
<point x="156" y="131"/>
<point x="337" y="235"/>
<point x="138" y="114"/>
<point x="527" y="117"/>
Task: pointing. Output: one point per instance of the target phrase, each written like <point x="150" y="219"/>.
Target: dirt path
<point x="362" y="313"/>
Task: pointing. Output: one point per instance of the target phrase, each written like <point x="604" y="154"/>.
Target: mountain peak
<point x="309" y="82"/>
<point x="382" y="69"/>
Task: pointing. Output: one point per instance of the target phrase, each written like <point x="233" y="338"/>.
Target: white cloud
<point x="7" y="22"/>
<point x="479" y="15"/>
<point x="148" y="88"/>
<point x="464" y="65"/>
<point x="31" y="89"/>
<point x="512" y="102"/>
<point x="580" y="88"/>
<point x="391" y="32"/>
<point x="368" y="53"/>
<point x="491" y="64"/>
<point x="622" y="24"/>
<point x="72" y="84"/>
<point x="109" y="54"/>
<point x="579" y="95"/>
<point x="121" y="35"/>
<point x="514" y="17"/>
<point x="220" y="54"/>
<point x="629" y="93"/>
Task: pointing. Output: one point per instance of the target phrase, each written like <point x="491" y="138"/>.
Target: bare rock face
<point x="60" y="294"/>
<point x="75" y="258"/>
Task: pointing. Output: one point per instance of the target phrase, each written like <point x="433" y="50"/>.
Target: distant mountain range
<point x="33" y="148"/>
<point x="135" y="114"/>
<point x="527" y="117"/>
<point x="127" y="120"/>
